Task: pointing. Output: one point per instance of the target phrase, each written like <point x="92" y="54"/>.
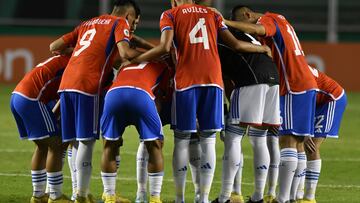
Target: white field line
<point x="168" y="154"/>
<point x="171" y="180"/>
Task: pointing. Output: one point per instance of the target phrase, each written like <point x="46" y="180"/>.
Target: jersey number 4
<point x="85" y="41"/>
<point x="200" y="26"/>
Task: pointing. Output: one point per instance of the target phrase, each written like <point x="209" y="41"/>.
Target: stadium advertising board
<point x="18" y="54"/>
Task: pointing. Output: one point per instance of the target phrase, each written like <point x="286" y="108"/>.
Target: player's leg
<point x="236" y="195"/>
<point x="113" y="122"/>
<point x="297" y="111"/>
<point x="142" y="158"/>
<point x="72" y="152"/>
<point x="231" y="159"/>
<point x="273" y="173"/>
<point x="184" y="122"/>
<point x="299" y="173"/>
<point x="327" y="125"/>
<point x="232" y="148"/>
<point x="210" y="116"/>
<point x="149" y="126"/>
<point x="194" y="162"/>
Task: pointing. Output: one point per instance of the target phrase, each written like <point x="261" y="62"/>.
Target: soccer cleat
<point x="293" y="201"/>
<point x="306" y="201"/>
<point x="141" y="197"/>
<point x="154" y="199"/>
<point x="250" y="201"/>
<point x="43" y="199"/>
<point x="88" y="199"/>
<point x="269" y="198"/>
<point x="118" y="199"/>
<point x="235" y="198"/>
<point x="62" y="199"/>
<point x="217" y="201"/>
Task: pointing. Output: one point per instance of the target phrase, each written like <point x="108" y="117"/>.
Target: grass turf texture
<point x="339" y="180"/>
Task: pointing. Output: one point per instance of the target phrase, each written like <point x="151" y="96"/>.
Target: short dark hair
<point x="121" y="3"/>
<point x="235" y="8"/>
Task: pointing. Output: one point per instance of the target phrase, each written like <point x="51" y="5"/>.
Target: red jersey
<point x="288" y="55"/>
<point x="329" y="89"/>
<point x="42" y="82"/>
<point x="144" y="76"/>
<point x="195" y="39"/>
<point x="94" y="42"/>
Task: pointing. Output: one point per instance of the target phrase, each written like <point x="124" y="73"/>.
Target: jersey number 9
<point x="85" y="41"/>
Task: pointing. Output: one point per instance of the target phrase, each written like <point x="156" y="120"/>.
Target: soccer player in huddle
<point x="94" y="42"/>
<point x="254" y="107"/>
<point x="330" y="105"/>
<point x="136" y="107"/>
<point x="30" y="105"/>
<point x="198" y="83"/>
<point x="297" y="89"/>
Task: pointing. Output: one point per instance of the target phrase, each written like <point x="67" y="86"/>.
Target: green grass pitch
<point x="339" y="180"/>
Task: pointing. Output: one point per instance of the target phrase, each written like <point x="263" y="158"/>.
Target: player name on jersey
<point x="194" y="10"/>
<point x="97" y="21"/>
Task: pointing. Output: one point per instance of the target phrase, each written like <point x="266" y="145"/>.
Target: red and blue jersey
<point x="288" y="55"/>
<point x="94" y="42"/>
<point x="145" y="76"/>
<point x="42" y="82"/>
<point x="195" y="39"/>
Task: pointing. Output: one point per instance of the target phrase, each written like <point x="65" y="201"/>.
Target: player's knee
<point x="288" y="141"/>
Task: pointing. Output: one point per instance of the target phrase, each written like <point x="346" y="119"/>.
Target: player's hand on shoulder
<point x="125" y="63"/>
<point x="216" y="11"/>
<point x="267" y="50"/>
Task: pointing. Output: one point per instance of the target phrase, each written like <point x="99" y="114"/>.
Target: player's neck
<point x="182" y="2"/>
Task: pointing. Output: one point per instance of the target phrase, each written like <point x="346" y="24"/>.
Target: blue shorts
<point x="34" y="119"/>
<point x="297" y="113"/>
<point x="202" y="103"/>
<point x="328" y="118"/>
<point x="130" y="106"/>
<point x="79" y="116"/>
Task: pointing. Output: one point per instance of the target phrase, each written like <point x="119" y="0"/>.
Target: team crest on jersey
<point x="126" y="33"/>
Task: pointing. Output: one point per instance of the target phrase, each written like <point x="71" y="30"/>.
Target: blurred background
<point x="328" y="29"/>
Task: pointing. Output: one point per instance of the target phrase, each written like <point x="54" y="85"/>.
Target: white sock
<point x="208" y="163"/>
<point x="231" y="160"/>
<point x="142" y="158"/>
<point x="179" y="163"/>
<point x="194" y="156"/>
<point x="301" y="188"/>
<point x="273" y="173"/>
<point x="155" y="183"/>
<point x="55" y="184"/>
<point x="38" y="178"/>
<point x="261" y="161"/>
<point x="109" y="182"/>
<point x="118" y="159"/>
<point x="287" y="167"/>
<point x="311" y="179"/>
<point x="299" y="173"/>
<point x="238" y="177"/>
<point x="71" y="162"/>
<point x="84" y="166"/>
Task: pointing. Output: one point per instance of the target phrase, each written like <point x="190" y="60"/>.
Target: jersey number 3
<point x="200" y="26"/>
<point x="85" y="41"/>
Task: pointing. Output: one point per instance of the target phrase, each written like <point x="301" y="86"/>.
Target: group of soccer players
<point x="286" y="107"/>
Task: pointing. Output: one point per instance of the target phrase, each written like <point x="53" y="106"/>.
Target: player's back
<point x="288" y="55"/>
<point x="196" y="29"/>
<point x="42" y="82"/>
<point x="329" y="89"/>
<point x="145" y="76"/>
<point x="94" y="42"/>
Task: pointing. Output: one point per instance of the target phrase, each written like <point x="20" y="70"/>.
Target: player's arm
<point x="59" y="47"/>
<point x="126" y="52"/>
<point x="163" y="48"/>
<point x="253" y="29"/>
<point x="242" y="46"/>
<point x="142" y="43"/>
